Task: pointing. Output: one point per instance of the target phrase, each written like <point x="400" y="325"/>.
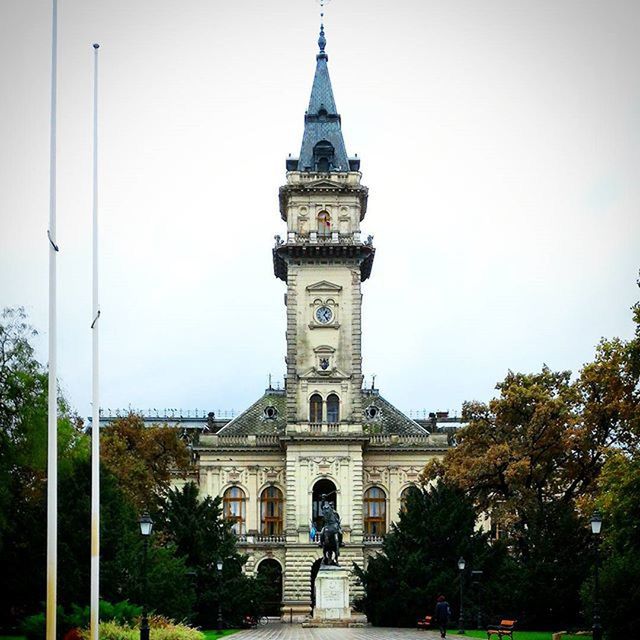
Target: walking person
<point x="443" y="611"/>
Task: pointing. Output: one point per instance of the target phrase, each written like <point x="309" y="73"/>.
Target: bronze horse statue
<point x="330" y="535"/>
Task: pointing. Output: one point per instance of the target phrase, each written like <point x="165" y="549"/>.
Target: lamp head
<point x="461" y="563"/>
<point x="146" y="524"/>
<point x="219" y="564"/>
<point x="596" y="522"/>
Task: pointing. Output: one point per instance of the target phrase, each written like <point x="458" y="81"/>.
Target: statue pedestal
<point x="332" y="600"/>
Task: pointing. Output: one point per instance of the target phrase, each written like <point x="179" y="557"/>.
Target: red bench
<point x="502" y="630"/>
<point x="424" y="623"/>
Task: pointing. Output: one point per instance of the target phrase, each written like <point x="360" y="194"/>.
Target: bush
<point x="167" y="631"/>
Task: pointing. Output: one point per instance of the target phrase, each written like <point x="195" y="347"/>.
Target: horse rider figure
<point x="331" y="533"/>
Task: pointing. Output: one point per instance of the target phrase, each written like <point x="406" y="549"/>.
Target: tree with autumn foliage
<point x="533" y="457"/>
<point x="144" y="459"/>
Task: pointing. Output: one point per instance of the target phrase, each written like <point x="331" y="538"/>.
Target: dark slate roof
<point x="322" y="121"/>
<point x="389" y="420"/>
<point x="253" y="421"/>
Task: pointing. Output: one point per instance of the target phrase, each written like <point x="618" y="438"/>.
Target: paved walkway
<point x="279" y="631"/>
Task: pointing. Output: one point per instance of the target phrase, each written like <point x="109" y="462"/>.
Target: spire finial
<point x="322" y="41"/>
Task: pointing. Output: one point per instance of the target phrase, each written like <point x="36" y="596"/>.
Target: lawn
<point x="212" y="634"/>
<point x="526" y="635"/>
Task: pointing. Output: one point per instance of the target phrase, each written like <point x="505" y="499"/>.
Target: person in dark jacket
<point x="442" y="615"/>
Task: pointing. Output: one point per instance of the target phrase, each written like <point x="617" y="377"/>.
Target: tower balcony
<point x="316" y="246"/>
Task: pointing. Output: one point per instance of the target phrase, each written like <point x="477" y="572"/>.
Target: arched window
<point x="375" y="512"/>
<point x="405" y="495"/>
<point x="234" y="508"/>
<point x="271" y="512"/>
<point x="333" y="408"/>
<point x="323" y="155"/>
<point x="315" y="408"/>
<point x="324" y="224"/>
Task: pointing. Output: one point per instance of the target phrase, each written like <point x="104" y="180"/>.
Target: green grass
<point x="12" y="638"/>
<point x="525" y="635"/>
<point x="212" y="634"/>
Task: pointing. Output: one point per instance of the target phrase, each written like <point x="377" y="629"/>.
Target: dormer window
<point x="323" y="155"/>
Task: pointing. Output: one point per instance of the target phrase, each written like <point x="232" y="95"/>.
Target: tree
<point x="200" y="534"/>
<point x="420" y="556"/>
<point x="619" y="501"/>
<point x="23" y="459"/>
<point x="144" y="459"/>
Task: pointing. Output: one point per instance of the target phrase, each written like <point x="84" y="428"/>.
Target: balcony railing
<point x="324" y="427"/>
<point x="315" y="238"/>
<point x="373" y="539"/>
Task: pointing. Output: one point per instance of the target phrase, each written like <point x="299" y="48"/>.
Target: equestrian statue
<point x="331" y="534"/>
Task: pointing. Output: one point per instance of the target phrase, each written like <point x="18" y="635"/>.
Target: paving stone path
<point x="278" y="631"/>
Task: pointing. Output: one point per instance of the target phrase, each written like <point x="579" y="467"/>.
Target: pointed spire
<point x="322" y="143"/>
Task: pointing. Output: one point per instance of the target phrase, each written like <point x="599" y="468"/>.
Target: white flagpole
<point x="52" y="452"/>
<point x="95" y="420"/>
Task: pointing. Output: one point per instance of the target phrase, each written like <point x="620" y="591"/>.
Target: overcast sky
<point x="500" y="141"/>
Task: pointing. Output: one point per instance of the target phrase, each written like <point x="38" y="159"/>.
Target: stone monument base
<point x="332" y="600"/>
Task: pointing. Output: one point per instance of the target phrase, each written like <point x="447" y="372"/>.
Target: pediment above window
<point x="324" y="285"/>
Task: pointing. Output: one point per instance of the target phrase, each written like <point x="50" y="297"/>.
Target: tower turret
<point x="323" y="260"/>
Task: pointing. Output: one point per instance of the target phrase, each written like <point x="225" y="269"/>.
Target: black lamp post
<point x="219" y="565"/>
<point x="461" y="566"/>
<point x="146" y="526"/>
<point x="596" y="527"/>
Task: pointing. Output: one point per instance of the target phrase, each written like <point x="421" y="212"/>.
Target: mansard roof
<point x="388" y="420"/>
<point x="254" y="421"/>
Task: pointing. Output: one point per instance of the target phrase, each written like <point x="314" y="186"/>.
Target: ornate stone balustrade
<point x="372" y="539"/>
<point x="431" y="441"/>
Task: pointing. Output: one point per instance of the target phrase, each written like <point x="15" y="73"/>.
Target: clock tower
<point x="323" y="261"/>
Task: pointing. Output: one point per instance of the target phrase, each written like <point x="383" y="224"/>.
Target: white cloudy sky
<point x="500" y="141"/>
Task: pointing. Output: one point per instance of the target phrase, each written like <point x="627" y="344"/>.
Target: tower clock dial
<point x="324" y="315"/>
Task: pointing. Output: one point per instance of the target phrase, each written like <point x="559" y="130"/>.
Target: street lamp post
<point x="219" y="565"/>
<point x="461" y="566"/>
<point x="146" y="526"/>
<point x="596" y="527"/>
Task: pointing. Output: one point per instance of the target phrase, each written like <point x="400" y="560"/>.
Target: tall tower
<point x="323" y="261"/>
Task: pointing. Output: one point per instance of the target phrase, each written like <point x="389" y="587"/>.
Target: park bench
<point x="424" y="623"/>
<point x="502" y="630"/>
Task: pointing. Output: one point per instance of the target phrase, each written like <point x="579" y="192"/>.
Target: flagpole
<point x="52" y="417"/>
<point x="95" y="420"/>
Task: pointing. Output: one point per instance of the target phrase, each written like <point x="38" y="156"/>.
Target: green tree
<point x="619" y="501"/>
<point x="420" y="559"/>
<point x="23" y="459"/>
<point x="200" y="534"/>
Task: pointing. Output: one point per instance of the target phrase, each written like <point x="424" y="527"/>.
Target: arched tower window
<point x="333" y="408"/>
<point x="271" y="512"/>
<point x="324" y="224"/>
<point x="324" y="486"/>
<point x="323" y="154"/>
<point x="234" y="508"/>
<point x="315" y="408"/>
<point x="375" y="512"/>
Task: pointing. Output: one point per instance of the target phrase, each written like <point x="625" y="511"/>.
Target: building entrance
<point x="271" y="572"/>
<point x="320" y="488"/>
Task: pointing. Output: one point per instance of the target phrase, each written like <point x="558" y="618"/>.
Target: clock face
<point x="324" y="315"/>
